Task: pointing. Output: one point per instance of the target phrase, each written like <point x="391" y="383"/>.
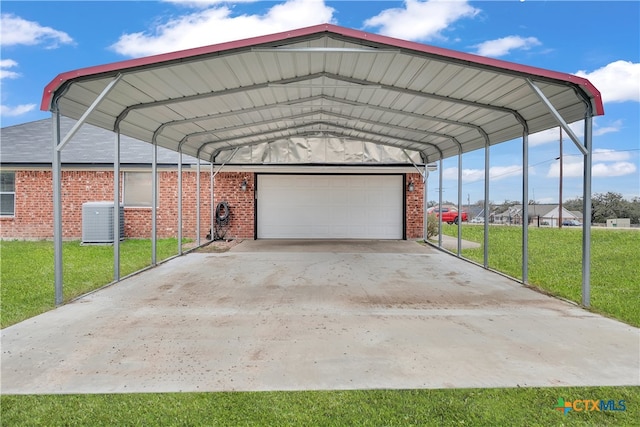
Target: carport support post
<point x="459" y="201"/>
<point x="56" y="167"/>
<point x="180" y="202"/>
<point x="525" y="208"/>
<point x="440" y="202"/>
<point x="116" y="209"/>
<point x="198" y="202"/>
<point x="425" y="179"/>
<point x="211" y="178"/>
<point x="154" y="205"/>
<point x="586" y="217"/>
<point x="486" y="205"/>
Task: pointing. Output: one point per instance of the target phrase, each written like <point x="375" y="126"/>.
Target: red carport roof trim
<point x="62" y="78"/>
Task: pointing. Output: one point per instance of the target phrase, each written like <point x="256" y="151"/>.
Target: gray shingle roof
<point x="31" y="143"/>
<point x="538" y="209"/>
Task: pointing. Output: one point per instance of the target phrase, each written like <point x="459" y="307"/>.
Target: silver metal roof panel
<point x="322" y="79"/>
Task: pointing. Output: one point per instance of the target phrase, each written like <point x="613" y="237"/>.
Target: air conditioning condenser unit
<point x="97" y="222"/>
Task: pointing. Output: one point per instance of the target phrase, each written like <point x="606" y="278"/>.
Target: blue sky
<point x="596" y="40"/>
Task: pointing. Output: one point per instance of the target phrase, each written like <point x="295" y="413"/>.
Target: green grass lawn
<point x="555" y="263"/>
<point x="27" y="274"/>
<point x="468" y="407"/>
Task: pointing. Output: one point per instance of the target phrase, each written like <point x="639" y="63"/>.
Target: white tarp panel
<point x="318" y="150"/>
<point x="330" y="206"/>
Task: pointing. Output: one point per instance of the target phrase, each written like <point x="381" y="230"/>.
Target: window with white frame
<point x="7" y="193"/>
<point x="137" y="189"/>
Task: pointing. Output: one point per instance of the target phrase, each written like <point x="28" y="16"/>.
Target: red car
<point x="449" y="215"/>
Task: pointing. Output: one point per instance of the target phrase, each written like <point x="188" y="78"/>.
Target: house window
<point x="7" y="193"/>
<point x="137" y="189"/>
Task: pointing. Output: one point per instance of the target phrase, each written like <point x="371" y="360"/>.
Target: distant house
<point x="541" y="215"/>
<point x="577" y="214"/>
<point x="474" y="211"/>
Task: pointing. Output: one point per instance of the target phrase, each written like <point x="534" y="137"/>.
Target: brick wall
<point x="33" y="217"/>
<point x="241" y="203"/>
<point x="33" y="207"/>
<point x="34" y="204"/>
<point x="415" y="207"/>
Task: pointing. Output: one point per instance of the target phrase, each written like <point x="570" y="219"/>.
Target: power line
<point x="519" y="169"/>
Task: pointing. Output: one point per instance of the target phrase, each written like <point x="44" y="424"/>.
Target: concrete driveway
<point x="282" y="315"/>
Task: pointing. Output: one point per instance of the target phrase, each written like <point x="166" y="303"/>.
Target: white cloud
<point x="553" y="135"/>
<point x="613" y="169"/>
<point x="606" y="155"/>
<point x="614" y="127"/>
<point x="421" y="20"/>
<point x="7" y="74"/>
<point x="204" y="3"/>
<point x="501" y="172"/>
<point x="17" y="31"/>
<point x="7" y="63"/>
<point x="617" y="82"/>
<point x="217" y="25"/>
<point x="546" y="200"/>
<point x="496" y="173"/>
<point x="18" y="110"/>
<point x="503" y="46"/>
<point x="573" y="168"/>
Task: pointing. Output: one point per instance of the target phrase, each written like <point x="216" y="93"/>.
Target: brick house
<point x="87" y="176"/>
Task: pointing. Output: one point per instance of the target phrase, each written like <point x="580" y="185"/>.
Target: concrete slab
<point x="294" y="319"/>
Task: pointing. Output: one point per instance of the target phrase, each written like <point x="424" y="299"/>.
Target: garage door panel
<point x="330" y="206"/>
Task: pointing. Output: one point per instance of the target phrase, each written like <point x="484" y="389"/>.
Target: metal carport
<point x="324" y="81"/>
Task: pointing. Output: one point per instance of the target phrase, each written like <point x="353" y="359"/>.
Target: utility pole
<point x="560" y="192"/>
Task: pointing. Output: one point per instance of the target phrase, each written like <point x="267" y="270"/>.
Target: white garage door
<point x="330" y="206"/>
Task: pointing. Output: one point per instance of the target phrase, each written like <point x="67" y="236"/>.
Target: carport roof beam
<point x="422" y="173"/>
<point x="322" y="50"/>
<point x="296" y="104"/>
<point x="558" y="117"/>
<point x="297" y="117"/>
<point x="88" y="111"/>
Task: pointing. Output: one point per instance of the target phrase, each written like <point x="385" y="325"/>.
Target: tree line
<point x="606" y="206"/>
